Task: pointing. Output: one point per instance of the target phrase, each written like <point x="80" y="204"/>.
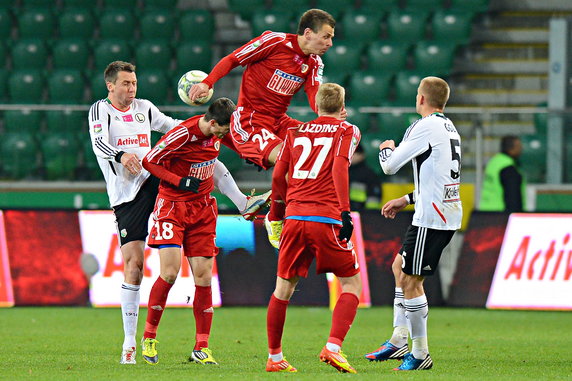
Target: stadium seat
<point x="5" y="24"/>
<point x="29" y="54"/>
<point x="60" y="154"/>
<point x="22" y="149"/>
<point x="77" y="23"/>
<point x="276" y="21"/>
<point x="117" y="24"/>
<point x="26" y="86"/>
<point x="333" y="77"/>
<point x="160" y="4"/>
<point x="361" y="26"/>
<point x="109" y="51"/>
<point x="89" y="167"/>
<point x="343" y="57"/>
<point x="406" y="26"/>
<point x="392" y="125"/>
<point x="157" y="24"/>
<point x="73" y="122"/>
<point x="197" y="24"/>
<point x="370" y="142"/>
<point x="70" y="54"/>
<point x="474" y="6"/>
<point x="153" y="85"/>
<point x="406" y="84"/>
<point x="23" y="120"/>
<point x="114" y="4"/>
<point x="369" y="88"/>
<point x="98" y="89"/>
<point x="335" y="7"/>
<point x="88" y="4"/>
<point x="246" y="8"/>
<point x="194" y="55"/>
<point x="230" y="159"/>
<point x="533" y="157"/>
<point x="296" y="6"/>
<point x="4" y="74"/>
<point x="3" y="54"/>
<point x="387" y="56"/>
<point x="379" y="6"/>
<point x="360" y="119"/>
<point x="427" y="4"/>
<point x="303" y="113"/>
<point x="36" y="23"/>
<point x="449" y="26"/>
<point x="434" y="57"/>
<point x="66" y="86"/>
<point x="153" y="55"/>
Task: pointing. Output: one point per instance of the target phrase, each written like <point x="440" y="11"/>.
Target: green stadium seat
<point x="449" y="26"/>
<point x="427" y="4"/>
<point x="302" y="112"/>
<point x="333" y="77"/>
<point x="335" y="7"/>
<point x="98" y="89"/>
<point x="66" y="86"/>
<point x="70" y="54"/>
<point x="33" y="3"/>
<point x="26" y="86"/>
<point x="434" y="57"/>
<point x="343" y="57"/>
<point x="392" y="125"/>
<point x="533" y="157"/>
<point x="23" y="120"/>
<point x="406" y="26"/>
<point x="360" y="119"/>
<point x="474" y="6"/>
<point x="22" y="149"/>
<point x="89" y="167"/>
<point x="296" y="6"/>
<point x="246" y="8"/>
<point x="117" y="24"/>
<point x="361" y="26"/>
<point x="387" y="56"/>
<point x="36" y="23"/>
<point x="60" y="154"/>
<point x="160" y="4"/>
<point x="88" y="4"/>
<point x="406" y="84"/>
<point x="193" y="55"/>
<point x="230" y="159"/>
<point x="107" y="51"/>
<point x="197" y="24"/>
<point x="274" y="20"/>
<point x="77" y="23"/>
<point x="4" y="74"/>
<point x="377" y="5"/>
<point x="157" y="24"/>
<point x="153" y="55"/>
<point x="369" y="88"/>
<point x="73" y="122"/>
<point x="114" y="4"/>
<point x="29" y="54"/>
<point x="370" y="142"/>
<point x="5" y="24"/>
<point x="153" y="85"/>
<point x="3" y="54"/>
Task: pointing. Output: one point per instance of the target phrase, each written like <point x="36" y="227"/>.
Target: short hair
<point x="435" y="90"/>
<point x="314" y="19"/>
<point x="220" y="110"/>
<point x="508" y="142"/>
<point x="330" y="98"/>
<point x="111" y="71"/>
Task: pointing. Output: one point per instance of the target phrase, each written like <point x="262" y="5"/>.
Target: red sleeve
<point x="340" y="175"/>
<point x="279" y="183"/>
<point x="311" y="92"/>
<point x="222" y="68"/>
<point x="162" y="173"/>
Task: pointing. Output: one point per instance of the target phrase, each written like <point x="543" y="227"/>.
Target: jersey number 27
<point x="306" y="144"/>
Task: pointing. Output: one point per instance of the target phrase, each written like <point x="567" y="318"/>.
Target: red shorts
<point x="301" y="241"/>
<point x="254" y="135"/>
<point x="190" y="224"/>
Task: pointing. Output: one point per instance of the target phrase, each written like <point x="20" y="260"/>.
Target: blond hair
<point x="330" y="98"/>
<point x="435" y="90"/>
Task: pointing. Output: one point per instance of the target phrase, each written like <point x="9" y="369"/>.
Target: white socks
<point x="224" y="181"/>
<point x="333" y="347"/>
<point x="400" y="330"/>
<point x="416" y="312"/>
<point x="277" y="357"/>
<point x="130" y="310"/>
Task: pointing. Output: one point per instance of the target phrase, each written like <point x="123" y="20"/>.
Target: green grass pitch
<point x="466" y="344"/>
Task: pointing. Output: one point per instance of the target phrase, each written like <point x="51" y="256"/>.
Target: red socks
<point x="203" y="311"/>
<point x="343" y="317"/>
<point x="275" y="318"/>
<point x="157" y="301"/>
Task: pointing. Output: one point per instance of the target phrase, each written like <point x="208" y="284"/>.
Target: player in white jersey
<point x="433" y="146"/>
<point x="120" y="127"/>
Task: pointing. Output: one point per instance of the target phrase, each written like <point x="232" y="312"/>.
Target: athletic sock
<point x="276" y="357"/>
<point x="157" y="301"/>
<point x="224" y="181"/>
<point x="203" y="311"/>
<point x="275" y="319"/>
<point x="343" y="317"/>
<point x="129" y="298"/>
<point x="417" y="311"/>
<point x="400" y="330"/>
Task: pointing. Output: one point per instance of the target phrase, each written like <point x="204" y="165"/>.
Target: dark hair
<point x="111" y="71"/>
<point x="221" y="111"/>
<point x="314" y="19"/>
<point x="507" y="143"/>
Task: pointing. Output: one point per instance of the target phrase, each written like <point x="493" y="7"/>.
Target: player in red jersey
<point x="311" y="175"/>
<point x="277" y="65"/>
<point x="185" y="216"/>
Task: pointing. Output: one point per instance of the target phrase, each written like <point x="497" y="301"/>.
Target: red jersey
<point x="310" y="152"/>
<point x="184" y="151"/>
<point x="276" y="68"/>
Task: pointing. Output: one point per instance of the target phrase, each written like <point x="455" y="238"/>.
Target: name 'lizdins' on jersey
<point x="113" y="130"/>
<point x="433" y="145"/>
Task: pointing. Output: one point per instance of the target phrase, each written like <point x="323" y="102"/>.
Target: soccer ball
<point x="186" y="82"/>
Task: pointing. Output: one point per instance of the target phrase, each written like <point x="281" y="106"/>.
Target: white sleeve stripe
<point x="153" y="155"/>
<point x="250" y="50"/>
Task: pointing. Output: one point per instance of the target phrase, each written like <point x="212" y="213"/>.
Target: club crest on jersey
<point x="139" y="140"/>
<point x="140" y="117"/>
<point x="284" y="83"/>
<point x="127" y="118"/>
<point x="97" y="128"/>
<point x="217" y="145"/>
<point x="304" y="68"/>
<point x="256" y="44"/>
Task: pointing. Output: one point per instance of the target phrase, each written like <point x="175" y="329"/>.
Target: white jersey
<point x="112" y="131"/>
<point x="433" y="145"/>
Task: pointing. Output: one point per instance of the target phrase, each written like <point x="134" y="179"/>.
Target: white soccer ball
<point x="187" y="81"/>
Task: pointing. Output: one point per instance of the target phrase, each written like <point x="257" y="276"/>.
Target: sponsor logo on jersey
<point x="127" y="118"/>
<point x="139" y="140"/>
<point x="140" y="117"/>
<point x="208" y="143"/>
<point x="284" y="83"/>
<point x="298" y="59"/>
<point x="203" y="170"/>
<point x="451" y="193"/>
<point x="97" y="128"/>
<point x="256" y="44"/>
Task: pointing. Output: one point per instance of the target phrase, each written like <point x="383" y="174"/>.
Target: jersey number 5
<point x="456" y="156"/>
<point x="306" y="144"/>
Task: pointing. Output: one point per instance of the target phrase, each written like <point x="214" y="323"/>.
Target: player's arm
<point x="222" y="68"/>
<point x="313" y="83"/>
<point x="280" y="172"/>
<point x="392" y="158"/>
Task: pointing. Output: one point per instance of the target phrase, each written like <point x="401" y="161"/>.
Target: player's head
<point x="511" y="145"/>
<point x="330" y="98"/>
<point x="315" y="31"/>
<point x="218" y="116"/>
<point x="432" y="94"/>
<point x="121" y="82"/>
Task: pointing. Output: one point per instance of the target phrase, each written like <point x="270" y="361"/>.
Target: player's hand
<point x="131" y="162"/>
<point x="198" y="90"/>
<point x="391" y="208"/>
<point x="190" y="184"/>
<point x="387" y="144"/>
<point x="347" y="227"/>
